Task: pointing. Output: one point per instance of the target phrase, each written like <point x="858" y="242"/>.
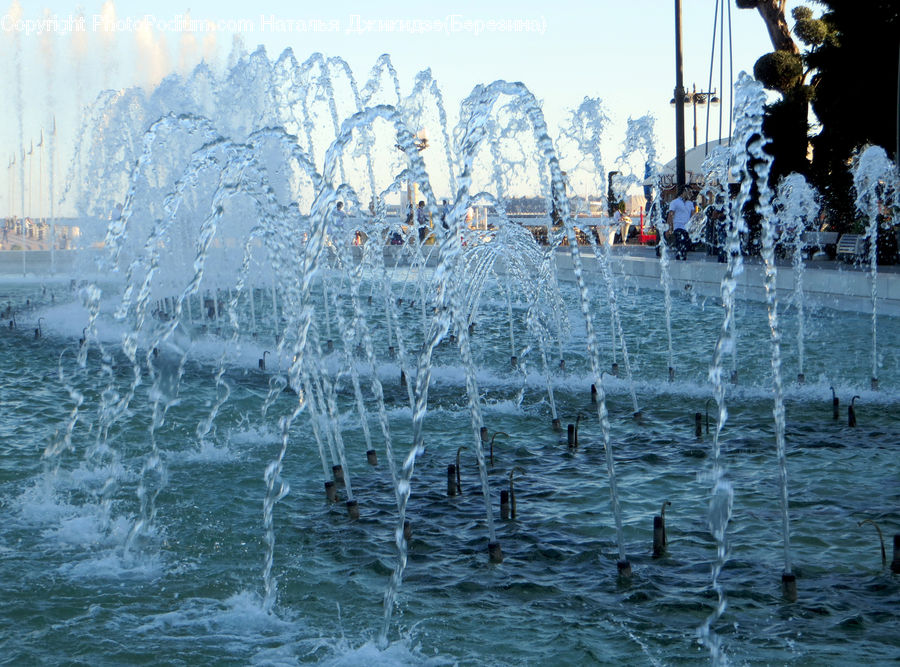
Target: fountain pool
<point x="190" y="589"/>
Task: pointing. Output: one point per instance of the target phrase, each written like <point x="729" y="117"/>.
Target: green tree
<point x="847" y="72"/>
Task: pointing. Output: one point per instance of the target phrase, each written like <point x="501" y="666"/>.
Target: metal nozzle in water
<point x="453" y="339"/>
<point x="660" y="540"/>
<point x="698" y="424"/>
<point x="835" y="405"/>
<point x="789" y="586"/>
<point x="734" y="377"/>
<point x="370" y="300"/>
<point x="801" y="378"/>
<point x="459" y="471"/>
<point x="557" y="425"/>
<point x="624" y="569"/>
<point x="593" y="394"/>
<point x="400" y="301"/>
<point x="402" y="377"/>
<point x="407" y="531"/>
<point x="851" y="412"/>
<point x="881" y="538"/>
<point x="329" y="346"/>
<point x="483" y="434"/>
<point x="514" y="361"/>
<point x="504" y="505"/>
<point x="471" y="328"/>
<point x="671" y="374"/>
<point x="615" y="369"/>
<point x="331" y="491"/>
<point x="492" y="443"/>
<point x="392" y="353"/>
<point x="338" y="473"/>
<point x="495" y="552"/>
<point x="512" y="494"/>
<point x="570" y="435"/>
<point x="562" y="364"/>
<point x="874" y="384"/>
<point x="262" y="362"/>
<point x="38" y="332"/>
<point x="451" y="480"/>
<point x="353" y="510"/>
<point x="895" y="563"/>
<point x="372" y="457"/>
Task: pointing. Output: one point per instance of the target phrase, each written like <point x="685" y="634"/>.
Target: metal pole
<point x="694" y="103"/>
<point x="679" y="102"/>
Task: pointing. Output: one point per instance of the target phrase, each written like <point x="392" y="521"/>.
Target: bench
<point x="851" y="247"/>
<point x="819" y="242"/>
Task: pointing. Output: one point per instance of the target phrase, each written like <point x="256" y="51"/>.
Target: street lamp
<point x="694" y="98"/>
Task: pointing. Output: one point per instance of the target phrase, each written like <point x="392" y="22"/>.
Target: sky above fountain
<point x="620" y="52"/>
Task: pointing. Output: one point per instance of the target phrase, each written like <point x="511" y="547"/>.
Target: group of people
<point x="420" y="217"/>
<point x="680" y="211"/>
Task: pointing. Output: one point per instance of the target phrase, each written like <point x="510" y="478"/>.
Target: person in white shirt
<point x="681" y="209"/>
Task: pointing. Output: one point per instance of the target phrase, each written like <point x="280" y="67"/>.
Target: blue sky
<point x="621" y="52"/>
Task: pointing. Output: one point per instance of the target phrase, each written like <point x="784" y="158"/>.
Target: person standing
<point x="680" y="211"/>
<point x="422" y="221"/>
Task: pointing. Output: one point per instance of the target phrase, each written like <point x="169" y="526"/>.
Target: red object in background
<point x="646" y="238"/>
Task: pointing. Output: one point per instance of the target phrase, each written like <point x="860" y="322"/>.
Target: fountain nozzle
<point x="615" y="369"/>
<point x="353" y="510"/>
<point x="624" y="569"/>
<point x="492" y="443"/>
<point x="659" y="531"/>
<point x="331" y="491"/>
<point x="557" y="425"/>
<point x="504" y="505"/>
<point x="514" y="361"/>
<point x="451" y="480"/>
<point x="801" y="378"/>
<point x="262" y="362"/>
<point x="881" y="539"/>
<point x="593" y="394"/>
<point x="835" y="404"/>
<point x="895" y="563"/>
<point x="698" y="424"/>
<point x="372" y="457"/>
<point x="671" y="374"/>
<point x="38" y="332"/>
<point x="874" y="384"/>
<point x="789" y="586"/>
<point x="851" y="412"/>
<point x="338" y="472"/>
<point x="495" y="552"/>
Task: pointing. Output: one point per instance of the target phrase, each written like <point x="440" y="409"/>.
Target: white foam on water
<point x="399" y="653"/>
<point x="115" y="565"/>
<point x="207" y="452"/>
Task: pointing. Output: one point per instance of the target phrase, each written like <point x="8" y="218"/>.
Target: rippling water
<point x="190" y="590"/>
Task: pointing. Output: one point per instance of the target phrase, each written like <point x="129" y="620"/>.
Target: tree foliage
<point x="848" y="73"/>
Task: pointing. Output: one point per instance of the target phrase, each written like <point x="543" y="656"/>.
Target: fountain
<point x="237" y="338"/>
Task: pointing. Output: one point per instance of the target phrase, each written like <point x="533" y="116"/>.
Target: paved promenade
<point x="827" y="283"/>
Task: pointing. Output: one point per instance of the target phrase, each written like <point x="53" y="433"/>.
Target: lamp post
<point x="679" y="108"/>
<point x="694" y="98"/>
